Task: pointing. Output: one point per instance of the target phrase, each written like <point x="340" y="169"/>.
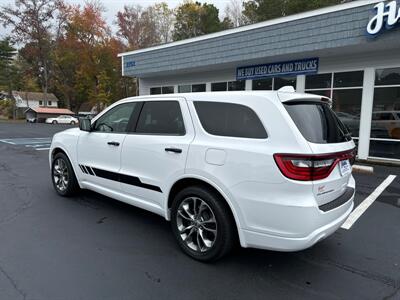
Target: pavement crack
<point x="152" y="278"/>
<point x="101" y="221"/>
<point x="13" y="283"/>
<point x="26" y="203"/>
<point x="369" y="275"/>
<point x="394" y="295"/>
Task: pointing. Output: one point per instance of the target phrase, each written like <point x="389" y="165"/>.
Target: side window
<point x="161" y="117"/>
<point x="117" y="119"/>
<point x="229" y="119"/>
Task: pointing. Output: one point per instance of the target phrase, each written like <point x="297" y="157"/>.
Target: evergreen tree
<point x="263" y="10"/>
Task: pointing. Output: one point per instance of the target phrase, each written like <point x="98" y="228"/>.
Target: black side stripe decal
<point x="89" y="169"/>
<point x="82" y="169"/>
<point x="132" y="180"/>
<point x="127" y="179"/>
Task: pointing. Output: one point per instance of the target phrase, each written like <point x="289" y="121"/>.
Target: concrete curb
<point x="363" y="169"/>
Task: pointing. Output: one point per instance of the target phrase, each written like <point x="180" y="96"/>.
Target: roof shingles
<point x="34" y="96"/>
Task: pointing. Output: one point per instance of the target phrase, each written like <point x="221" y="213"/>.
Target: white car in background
<point x="63" y="119"/>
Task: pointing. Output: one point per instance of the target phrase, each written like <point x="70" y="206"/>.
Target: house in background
<point x="33" y="100"/>
<point x="40" y="114"/>
<point x="87" y="109"/>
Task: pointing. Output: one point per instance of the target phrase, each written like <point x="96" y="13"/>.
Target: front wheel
<point x="202" y="224"/>
<point x="54" y="122"/>
<point x="72" y="122"/>
<point x="63" y="176"/>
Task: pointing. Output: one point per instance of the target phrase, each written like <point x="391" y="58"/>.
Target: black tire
<point x="72" y="123"/>
<point x="225" y="225"/>
<point x="54" y="122"/>
<point x="72" y="187"/>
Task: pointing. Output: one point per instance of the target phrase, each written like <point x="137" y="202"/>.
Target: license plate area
<point x="344" y="167"/>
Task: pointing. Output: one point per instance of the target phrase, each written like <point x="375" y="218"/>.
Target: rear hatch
<point x="329" y="168"/>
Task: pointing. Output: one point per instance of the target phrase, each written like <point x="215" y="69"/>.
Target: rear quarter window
<point x="229" y="119"/>
<point x="317" y="122"/>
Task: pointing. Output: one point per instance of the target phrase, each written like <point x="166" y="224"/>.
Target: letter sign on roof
<point x="386" y="14"/>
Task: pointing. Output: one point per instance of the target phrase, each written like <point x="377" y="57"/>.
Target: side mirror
<point x="85" y="124"/>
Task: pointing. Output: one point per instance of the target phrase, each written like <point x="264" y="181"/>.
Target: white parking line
<point x="41" y="149"/>
<point x="7" y="142"/>
<point x="38" y="146"/>
<point x="356" y="214"/>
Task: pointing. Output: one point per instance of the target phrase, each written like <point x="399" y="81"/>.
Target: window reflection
<point x="385" y="116"/>
<point x="284" y="81"/>
<point x="346" y="95"/>
<point x="385" y="125"/>
<point x="262" y="84"/>
<point x="387" y="76"/>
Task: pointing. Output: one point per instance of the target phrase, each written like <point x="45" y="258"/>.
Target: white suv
<point x="269" y="169"/>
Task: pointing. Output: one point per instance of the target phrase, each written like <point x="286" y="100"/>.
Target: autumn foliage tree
<point x="31" y="23"/>
<point x="137" y="26"/>
<point x="87" y="66"/>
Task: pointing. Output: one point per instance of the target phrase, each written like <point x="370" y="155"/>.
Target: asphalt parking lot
<point x="93" y="247"/>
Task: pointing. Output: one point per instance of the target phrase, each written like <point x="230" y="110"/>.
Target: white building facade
<point x="349" y="52"/>
<point x="34" y="100"/>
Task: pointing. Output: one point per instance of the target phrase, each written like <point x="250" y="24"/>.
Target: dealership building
<point x="349" y="52"/>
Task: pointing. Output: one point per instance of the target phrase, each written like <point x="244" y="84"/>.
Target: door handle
<point x="175" y="150"/>
<point x="116" y="144"/>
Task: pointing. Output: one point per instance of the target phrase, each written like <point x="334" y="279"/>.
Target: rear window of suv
<point x="317" y="122"/>
<point x="230" y="119"/>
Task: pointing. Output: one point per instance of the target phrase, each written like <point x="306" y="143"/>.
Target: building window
<point x="345" y="90"/>
<point x="162" y="90"/>
<point x="198" y="88"/>
<point x="155" y="91"/>
<point x="167" y="90"/>
<point x="49" y="103"/>
<point x="219" y="86"/>
<point x="40" y="102"/>
<point x="280" y="82"/>
<point x="273" y="83"/>
<point x="262" y="84"/>
<point x="385" y="126"/>
<point x="185" y="88"/>
<point x="194" y="88"/>
<point x="238" y="85"/>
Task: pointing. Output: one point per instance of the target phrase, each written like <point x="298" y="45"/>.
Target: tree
<point x="94" y="75"/>
<point x="137" y="26"/>
<point x="262" y="10"/>
<point x="194" y="19"/>
<point x="7" y="54"/>
<point x="164" y="18"/>
<point x="7" y="70"/>
<point x="31" y="22"/>
<point x="234" y="13"/>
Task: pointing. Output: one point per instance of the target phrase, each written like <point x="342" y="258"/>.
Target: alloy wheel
<point x="60" y="174"/>
<point x="197" y="224"/>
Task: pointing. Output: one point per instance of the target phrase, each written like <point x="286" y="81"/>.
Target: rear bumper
<point x="326" y="226"/>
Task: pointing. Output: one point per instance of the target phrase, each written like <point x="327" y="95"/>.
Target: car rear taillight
<point x="311" y="167"/>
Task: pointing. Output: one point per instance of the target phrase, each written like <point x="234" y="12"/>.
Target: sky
<point x="113" y="6"/>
